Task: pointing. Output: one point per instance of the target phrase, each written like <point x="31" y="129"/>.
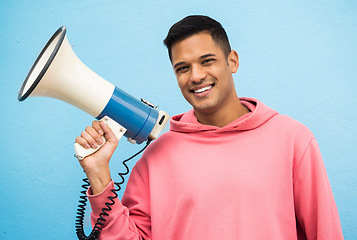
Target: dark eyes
<point x="185" y="68"/>
<point x="181" y="69"/>
<point x="208" y="61"/>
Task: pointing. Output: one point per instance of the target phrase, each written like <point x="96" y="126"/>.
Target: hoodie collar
<point x="259" y="114"/>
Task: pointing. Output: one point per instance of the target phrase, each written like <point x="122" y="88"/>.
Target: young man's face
<point x="203" y="73"/>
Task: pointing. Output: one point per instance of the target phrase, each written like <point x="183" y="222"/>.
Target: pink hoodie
<point x="259" y="177"/>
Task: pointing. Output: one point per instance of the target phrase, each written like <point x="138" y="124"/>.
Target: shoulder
<point x="160" y="148"/>
<point x="289" y="132"/>
<point x="286" y="123"/>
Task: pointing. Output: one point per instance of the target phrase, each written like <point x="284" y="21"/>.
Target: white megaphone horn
<point x="58" y="73"/>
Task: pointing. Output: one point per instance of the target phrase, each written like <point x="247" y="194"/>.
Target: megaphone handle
<point x="117" y="129"/>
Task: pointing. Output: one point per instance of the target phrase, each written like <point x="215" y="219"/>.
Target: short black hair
<point x="194" y="24"/>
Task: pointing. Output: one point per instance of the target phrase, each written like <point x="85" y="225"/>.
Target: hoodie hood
<point x="259" y="114"/>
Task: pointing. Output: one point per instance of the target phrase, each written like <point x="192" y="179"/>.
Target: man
<point x="231" y="168"/>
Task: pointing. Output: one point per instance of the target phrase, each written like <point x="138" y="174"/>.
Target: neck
<point x="223" y="116"/>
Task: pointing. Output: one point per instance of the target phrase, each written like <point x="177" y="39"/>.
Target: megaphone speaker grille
<point x="42" y="63"/>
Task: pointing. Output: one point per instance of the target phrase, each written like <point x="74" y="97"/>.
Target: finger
<point x="81" y="141"/>
<point x="94" y="134"/>
<point x="97" y="127"/>
<point x="108" y="133"/>
<point x="90" y="140"/>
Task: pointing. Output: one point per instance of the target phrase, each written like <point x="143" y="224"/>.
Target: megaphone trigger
<point x="117" y="129"/>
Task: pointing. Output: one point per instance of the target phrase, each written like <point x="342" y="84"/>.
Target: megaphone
<point x="58" y="73"/>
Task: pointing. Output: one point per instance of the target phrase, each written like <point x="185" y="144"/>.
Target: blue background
<point x="298" y="57"/>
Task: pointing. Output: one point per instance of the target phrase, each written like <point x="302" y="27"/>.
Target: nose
<point x="197" y="74"/>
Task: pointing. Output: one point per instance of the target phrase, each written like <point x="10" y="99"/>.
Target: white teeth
<point x="203" y="89"/>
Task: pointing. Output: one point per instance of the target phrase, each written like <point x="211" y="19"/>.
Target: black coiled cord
<point x="83" y="203"/>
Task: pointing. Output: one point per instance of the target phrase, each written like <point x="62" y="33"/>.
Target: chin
<point x="205" y="109"/>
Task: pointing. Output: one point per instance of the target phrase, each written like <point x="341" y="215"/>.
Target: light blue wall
<point x="299" y="57"/>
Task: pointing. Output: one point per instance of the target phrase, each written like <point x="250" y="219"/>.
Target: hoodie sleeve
<point x="315" y="206"/>
<point x="119" y="224"/>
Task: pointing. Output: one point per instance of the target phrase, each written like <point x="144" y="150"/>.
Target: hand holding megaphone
<point x="96" y="166"/>
<point x="118" y="130"/>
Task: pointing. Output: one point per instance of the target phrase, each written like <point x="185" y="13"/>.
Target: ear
<point x="233" y="61"/>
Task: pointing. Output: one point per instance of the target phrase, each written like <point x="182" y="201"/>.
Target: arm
<point x="118" y="225"/>
<point x="96" y="166"/>
<point x="315" y="206"/>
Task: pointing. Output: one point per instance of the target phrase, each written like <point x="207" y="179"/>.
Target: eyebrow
<point x="178" y="64"/>
<point x="202" y="57"/>
<point x="207" y="55"/>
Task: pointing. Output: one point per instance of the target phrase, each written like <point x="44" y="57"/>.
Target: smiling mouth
<point x="204" y="89"/>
